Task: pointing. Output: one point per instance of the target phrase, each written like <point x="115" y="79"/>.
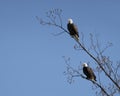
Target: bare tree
<point x="104" y="65"/>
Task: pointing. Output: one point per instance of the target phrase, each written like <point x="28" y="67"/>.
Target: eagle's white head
<point x="70" y="21"/>
<point x="85" y="65"/>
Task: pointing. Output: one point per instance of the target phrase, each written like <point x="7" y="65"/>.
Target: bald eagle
<point x="88" y="72"/>
<point x="73" y="29"/>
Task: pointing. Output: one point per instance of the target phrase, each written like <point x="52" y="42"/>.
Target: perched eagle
<point x="89" y="72"/>
<point x="73" y="29"/>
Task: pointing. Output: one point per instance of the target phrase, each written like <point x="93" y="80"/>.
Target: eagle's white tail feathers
<point x="93" y="79"/>
<point x="76" y="38"/>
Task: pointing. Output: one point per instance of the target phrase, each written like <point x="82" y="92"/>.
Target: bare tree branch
<point x="104" y="64"/>
<point x="71" y="73"/>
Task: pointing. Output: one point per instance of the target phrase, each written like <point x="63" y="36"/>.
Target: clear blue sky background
<point x="31" y="62"/>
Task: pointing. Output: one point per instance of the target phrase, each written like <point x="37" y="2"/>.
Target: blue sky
<point x="31" y="62"/>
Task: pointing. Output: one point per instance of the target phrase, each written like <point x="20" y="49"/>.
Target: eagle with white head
<point x="73" y="29"/>
<point x="88" y="72"/>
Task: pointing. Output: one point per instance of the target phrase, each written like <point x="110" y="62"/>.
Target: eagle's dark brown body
<point x="73" y="29"/>
<point x="89" y="73"/>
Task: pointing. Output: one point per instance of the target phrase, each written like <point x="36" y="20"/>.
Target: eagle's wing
<point x="91" y="73"/>
<point x="76" y="30"/>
